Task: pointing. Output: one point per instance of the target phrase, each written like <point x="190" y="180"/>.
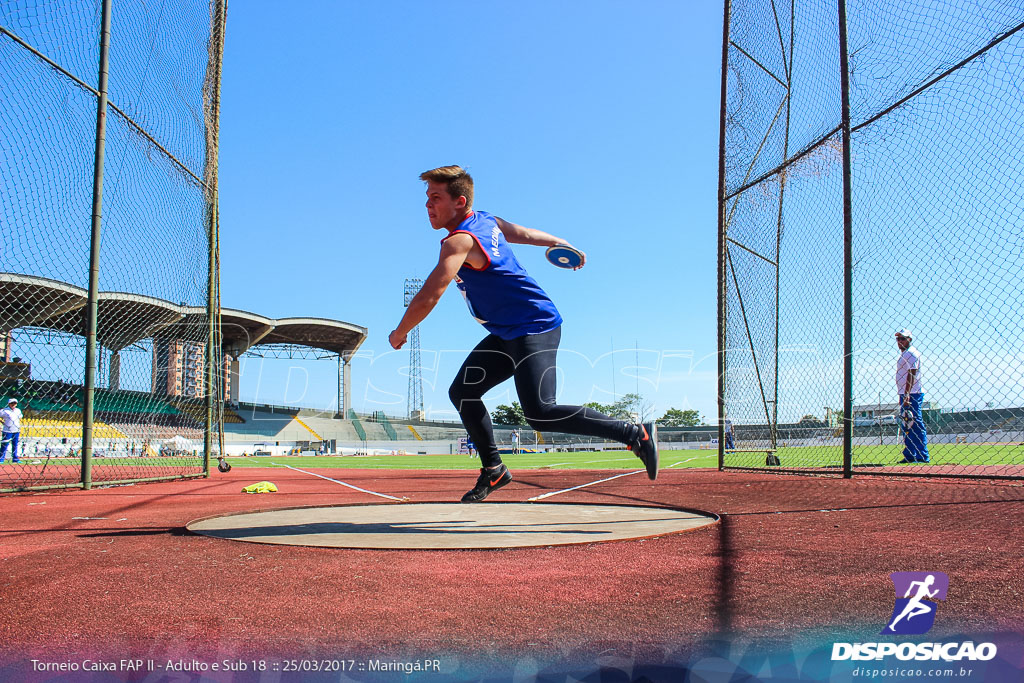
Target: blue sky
<point x="595" y="121"/>
<point x="589" y="120"/>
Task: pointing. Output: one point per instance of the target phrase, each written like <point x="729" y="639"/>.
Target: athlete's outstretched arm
<point x="517" y="234"/>
<point x="454" y="251"/>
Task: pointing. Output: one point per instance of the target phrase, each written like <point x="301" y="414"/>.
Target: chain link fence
<point x="814" y="283"/>
<point x="109" y="292"/>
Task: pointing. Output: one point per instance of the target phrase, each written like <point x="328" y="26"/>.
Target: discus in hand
<point x="564" y="256"/>
<point x="906" y="418"/>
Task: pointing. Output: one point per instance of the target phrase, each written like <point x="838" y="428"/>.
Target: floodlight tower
<point x="413" y="285"/>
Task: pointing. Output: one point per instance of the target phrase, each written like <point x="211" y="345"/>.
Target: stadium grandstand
<point x="171" y="415"/>
<point x="169" y="418"/>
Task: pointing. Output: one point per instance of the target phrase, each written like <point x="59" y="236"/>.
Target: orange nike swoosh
<point x="495" y="481"/>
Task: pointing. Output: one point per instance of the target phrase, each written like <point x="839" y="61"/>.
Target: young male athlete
<point x="524" y="327"/>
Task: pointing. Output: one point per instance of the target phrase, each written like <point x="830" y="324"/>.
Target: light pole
<point x="878" y="417"/>
<point x="415" y="395"/>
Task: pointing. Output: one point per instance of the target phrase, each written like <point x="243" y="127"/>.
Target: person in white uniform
<point x="11" y="416"/>
<point x="911" y="393"/>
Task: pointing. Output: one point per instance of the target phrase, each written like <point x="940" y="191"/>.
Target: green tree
<point x="628" y="406"/>
<point x="509" y="415"/>
<point x="599" y="407"/>
<point x="674" y="417"/>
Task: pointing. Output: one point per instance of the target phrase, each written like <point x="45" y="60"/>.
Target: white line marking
<point x="700" y="457"/>
<point x="600" y="481"/>
<point x="587" y="462"/>
<point x="581" y="486"/>
<point x="372" y="493"/>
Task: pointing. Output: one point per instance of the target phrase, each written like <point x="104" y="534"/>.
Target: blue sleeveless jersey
<point x="502" y="296"/>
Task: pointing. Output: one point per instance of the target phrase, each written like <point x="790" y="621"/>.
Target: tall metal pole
<point x="844" y="65"/>
<point x="92" y="305"/>
<point x="346" y="380"/>
<point x="214" y="412"/>
<point x="774" y="427"/>
<point x="414" y="407"/>
<point x="415" y="400"/>
<point x="878" y="418"/>
<point x="341" y="407"/>
<point x="211" y="338"/>
<point x="222" y="394"/>
<point x="721" y="238"/>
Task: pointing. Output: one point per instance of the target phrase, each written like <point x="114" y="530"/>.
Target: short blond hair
<point x="455" y="178"/>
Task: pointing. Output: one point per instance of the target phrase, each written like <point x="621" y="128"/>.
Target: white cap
<point x="13" y="400"/>
<point x="904" y="332"/>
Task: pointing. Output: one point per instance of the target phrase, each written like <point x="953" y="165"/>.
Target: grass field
<point x="822" y="456"/>
<point x="611" y="460"/>
<point x="941" y="454"/>
<point x="607" y="460"/>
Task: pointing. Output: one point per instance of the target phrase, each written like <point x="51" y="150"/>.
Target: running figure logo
<point x="914" y="612"/>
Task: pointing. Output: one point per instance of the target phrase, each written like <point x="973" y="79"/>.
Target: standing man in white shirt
<point x="11" y="417"/>
<point x="908" y="384"/>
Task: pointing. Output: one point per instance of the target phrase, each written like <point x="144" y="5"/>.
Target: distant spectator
<point x="730" y="442"/>
<point x="11" y="416"/>
<point x="515" y="441"/>
<point x="908" y="384"/>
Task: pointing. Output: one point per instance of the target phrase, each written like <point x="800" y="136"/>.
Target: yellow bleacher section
<point x="318" y="437"/>
<point x="40" y="427"/>
<point x="415" y="433"/>
<point x="198" y="413"/>
<point x="540" y="437"/>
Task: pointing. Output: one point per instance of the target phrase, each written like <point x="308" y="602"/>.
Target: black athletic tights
<point x="531" y="360"/>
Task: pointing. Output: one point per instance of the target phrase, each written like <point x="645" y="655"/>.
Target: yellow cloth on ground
<point x="260" y="487"/>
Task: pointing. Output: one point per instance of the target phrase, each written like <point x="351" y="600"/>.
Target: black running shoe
<point x="488" y="481"/>
<point x="646" y="448"/>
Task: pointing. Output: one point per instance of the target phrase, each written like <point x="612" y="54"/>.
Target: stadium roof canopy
<point x="319" y="333"/>
<point x="123" y="319"/>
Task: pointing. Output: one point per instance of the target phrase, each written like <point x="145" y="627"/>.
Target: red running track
<point x="111" y="573"/>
